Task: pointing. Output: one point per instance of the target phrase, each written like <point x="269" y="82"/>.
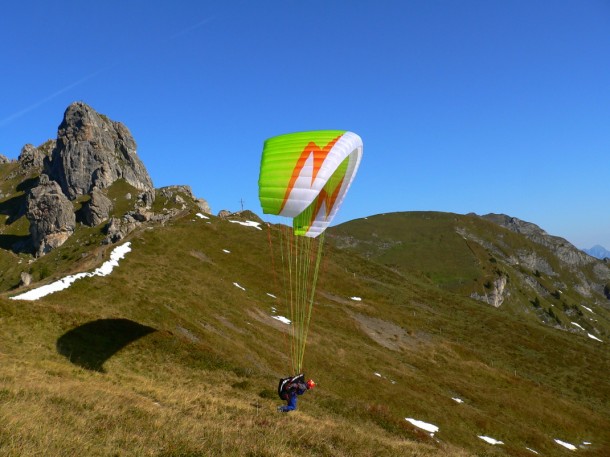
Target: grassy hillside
<point x="166" y="356"/>
<point x="469" y="255"/>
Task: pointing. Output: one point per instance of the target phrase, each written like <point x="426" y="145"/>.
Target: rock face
<point x="51" y="216"/>
<point x="4" y="159"/>
<point x="30" y="159"/>
<point x="93" y="152"/>
<point x="497" y="294"/>
<point x="97" y="209"/>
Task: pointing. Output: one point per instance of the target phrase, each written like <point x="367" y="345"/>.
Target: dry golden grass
<point x="52" y="409"/>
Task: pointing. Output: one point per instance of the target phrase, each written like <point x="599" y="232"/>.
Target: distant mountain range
<point x="598" y="251"/>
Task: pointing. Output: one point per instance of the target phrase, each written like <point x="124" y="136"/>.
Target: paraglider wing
<point x="306" y="175"/>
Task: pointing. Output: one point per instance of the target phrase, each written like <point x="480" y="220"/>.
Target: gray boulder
<point x="50" y="214"/>
<point x="26" y="279"/>
<point x="93" y="151"/>
<point x="30" y="159"/>
<point x="97" y="209"/>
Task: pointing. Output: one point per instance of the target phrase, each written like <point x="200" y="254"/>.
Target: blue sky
<point x="463" y="106"/>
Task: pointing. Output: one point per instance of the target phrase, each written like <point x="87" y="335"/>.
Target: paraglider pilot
<point x="290" y="388"/>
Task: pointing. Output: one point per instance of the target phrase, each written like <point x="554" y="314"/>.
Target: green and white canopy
<point x="306" y="175"/>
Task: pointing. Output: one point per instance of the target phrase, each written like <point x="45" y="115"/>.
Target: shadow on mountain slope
<point x="91" y="344"/>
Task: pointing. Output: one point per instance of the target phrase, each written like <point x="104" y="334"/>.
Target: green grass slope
<point x="167" y="356"/>
<point x="469" y="255"/>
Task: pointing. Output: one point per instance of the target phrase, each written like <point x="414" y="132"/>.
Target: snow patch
<point x="248" y="224"/>
<point x="271" y="295"/>
<point x="423" y="425"/>
<point x="105" y="269"/>
<point x="457" y="400"/>
<point x="531" y="450"/>
<point x="377" y="374"/>
<point x="490" y="440"/>
<point x="355" y="298"/>
<point x="578" y="325"/>
<point x="593" y="337"/>
<point x="569" y="446"/>
<point x="283" y="319"/>
<point x="588" y="309"/>
<point x="202" y="216"/>
<point x="238" y="286"/>
<point x="226" y="251"/>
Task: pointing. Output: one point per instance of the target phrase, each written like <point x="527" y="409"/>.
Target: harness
<point x="285" y="384"/>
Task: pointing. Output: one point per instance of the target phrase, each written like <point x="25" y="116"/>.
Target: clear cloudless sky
<point x="463" y="106"/>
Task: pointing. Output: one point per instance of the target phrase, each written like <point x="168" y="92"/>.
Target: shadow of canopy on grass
<point x="91" y="344"/>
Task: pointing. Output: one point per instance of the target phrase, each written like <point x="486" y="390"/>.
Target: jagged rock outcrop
<point x="51" y="216"/>
<point x="4" y="159"/>
<point x="119" y="228"/>
<point x="173" y="193"/>
<point x="497" y="294"/>
<point x="97" y="209"/>
<point x="93" y="152"/>
<point x="30" y="159"/>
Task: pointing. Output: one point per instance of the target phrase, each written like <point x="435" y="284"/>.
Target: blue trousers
<point x="292" y="403"/>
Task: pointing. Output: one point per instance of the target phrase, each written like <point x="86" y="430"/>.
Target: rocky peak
<point x="93" y="151"/>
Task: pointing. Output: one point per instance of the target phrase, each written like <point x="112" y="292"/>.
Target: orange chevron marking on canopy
<point x="328" y="199"/>
<point x="319" y="156"/>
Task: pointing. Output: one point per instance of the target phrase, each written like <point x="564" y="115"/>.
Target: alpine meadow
<point x="136" y="322"/>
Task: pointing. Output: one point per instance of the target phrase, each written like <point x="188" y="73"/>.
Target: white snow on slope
<point x="457" y="400"/>
<point x="569" y="446"/>
<point x="489" y="440"/>
<point x="226" y="251"/>
<point x="531" y="450"/>
<point x="594" y="337"/>
<point x="202" y="216"/>
<point x="423" y="425"/>
<point x="283" y="319"/>
<point x="105" y="269"/>
<point x="248" y="224"/>
<point x="578" y="325"/>
<point x="588" y="309"/>
<point x="271" y="295"/>
<point x="238" y="286"/>
<point x="355" y="298"/>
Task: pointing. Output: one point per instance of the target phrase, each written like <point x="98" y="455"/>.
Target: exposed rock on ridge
<point x="97" y="209"/>
<point x="570" y="255"/>
<point x="567" y="252"/>
<point x="93" y="152"/>
<point x="90" y="164"/>
<point x="51" y="216"/>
